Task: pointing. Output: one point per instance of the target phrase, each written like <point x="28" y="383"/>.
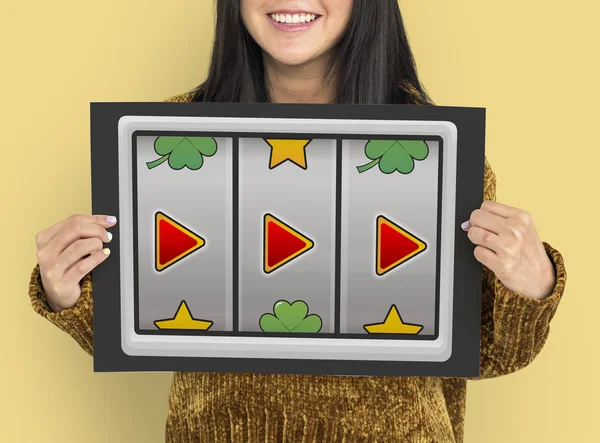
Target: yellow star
<point x="393" y="324"/>
<point x="183" y="320"/>
<point x="282" y="150"/>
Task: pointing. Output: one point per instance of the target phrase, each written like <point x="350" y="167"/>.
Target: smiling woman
<point x="311" y="51"/>
<point x="321" y="51"/>
<point x="296" y="36"/>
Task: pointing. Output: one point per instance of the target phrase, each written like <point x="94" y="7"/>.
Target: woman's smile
<point x="296" y="32"/>
<point x="286" y="20"/>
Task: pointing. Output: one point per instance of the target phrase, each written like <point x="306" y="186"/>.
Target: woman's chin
<point x="292" y="60"/>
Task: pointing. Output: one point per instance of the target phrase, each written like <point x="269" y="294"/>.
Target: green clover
<point x="183" y="151"/>
<point x="290" y="318"/>
<point x="394" y="155"/>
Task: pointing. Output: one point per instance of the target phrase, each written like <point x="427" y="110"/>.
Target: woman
<point x="323" y="51"/>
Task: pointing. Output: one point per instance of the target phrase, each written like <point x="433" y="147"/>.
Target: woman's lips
<point x="292" y="20"/>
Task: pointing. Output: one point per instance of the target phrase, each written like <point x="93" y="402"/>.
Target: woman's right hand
<point x="67" y="251"/>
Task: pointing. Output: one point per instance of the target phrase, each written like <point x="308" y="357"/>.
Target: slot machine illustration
<point x="293" y="241"/>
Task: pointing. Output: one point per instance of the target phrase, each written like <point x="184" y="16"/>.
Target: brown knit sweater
<point x="211" y="407"/>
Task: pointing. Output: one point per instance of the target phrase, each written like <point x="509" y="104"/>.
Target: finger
<point x="488" y="221"/>
<point x="486" y="257"/>
<point x="61" y="241"/>
<point x="75" y="252"/>
<point x="46" y="235"/>
<point x="499" y="209"/>
<point x="485" y="238"/>
<point x="81" y="268"/>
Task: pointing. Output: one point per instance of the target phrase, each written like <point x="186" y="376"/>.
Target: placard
<point x="314" y="239"/>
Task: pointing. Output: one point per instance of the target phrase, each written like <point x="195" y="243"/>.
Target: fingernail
<point x="465" y="225"/>
<point x="109" y="236"/>
<point x="106" y="251"/>
<point x="111" y="219"/>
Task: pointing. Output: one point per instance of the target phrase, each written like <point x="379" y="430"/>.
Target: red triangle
<point x="282" y="244"/>
<point x="173" y="242"/>
<point x="394" y="246"/>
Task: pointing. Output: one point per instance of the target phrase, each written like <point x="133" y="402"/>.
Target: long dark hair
<point x="377" y="64"/>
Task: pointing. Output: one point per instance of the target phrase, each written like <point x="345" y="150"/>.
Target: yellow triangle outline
<point x="381" y="220"/>
<point x="309" y="244"/>
<point x="200" y="242"/>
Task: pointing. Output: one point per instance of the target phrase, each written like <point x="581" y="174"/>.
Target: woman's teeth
<point x="293" y="19"/>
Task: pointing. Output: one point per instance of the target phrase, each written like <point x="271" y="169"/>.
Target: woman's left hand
<point x="508" y="244"/>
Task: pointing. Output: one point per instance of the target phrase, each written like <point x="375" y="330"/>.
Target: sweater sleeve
<point x="76" y="321"/>
<point x="514" y="328"/>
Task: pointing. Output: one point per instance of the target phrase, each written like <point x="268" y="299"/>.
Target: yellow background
<point x="531" y="63"/>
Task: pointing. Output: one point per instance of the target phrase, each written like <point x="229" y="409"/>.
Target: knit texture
<point x="222" y="407"/>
